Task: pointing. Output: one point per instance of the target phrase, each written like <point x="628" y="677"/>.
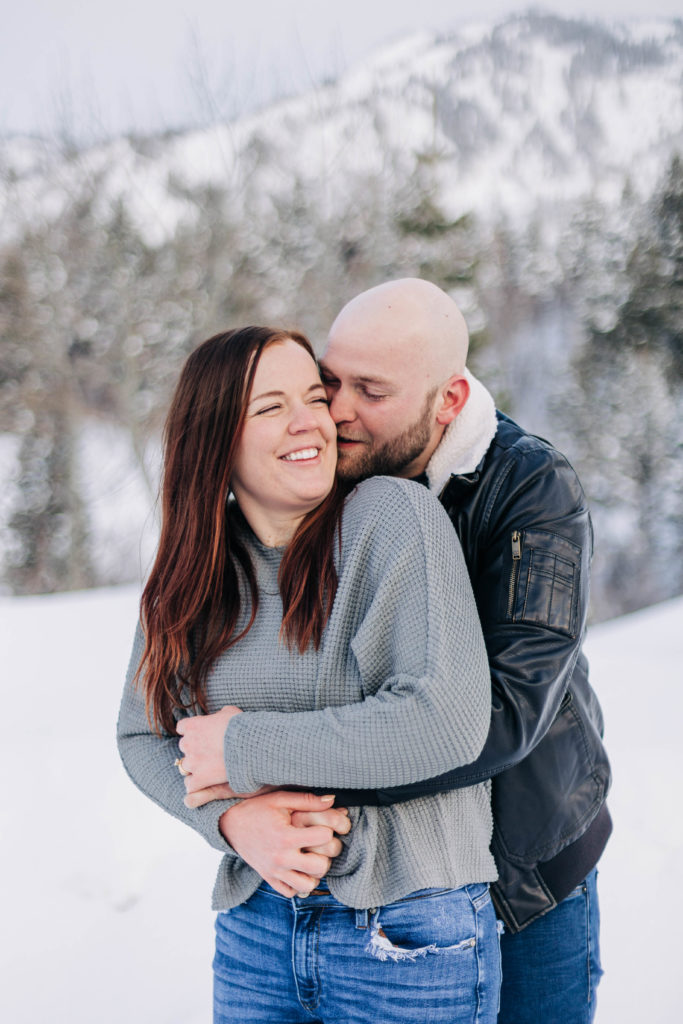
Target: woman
<point x="375" y="675"/>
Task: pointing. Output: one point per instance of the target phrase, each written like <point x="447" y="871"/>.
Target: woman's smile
<point x="302" y="455"/>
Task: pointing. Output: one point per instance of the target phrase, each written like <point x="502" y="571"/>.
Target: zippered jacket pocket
<point x="544" y="580"/>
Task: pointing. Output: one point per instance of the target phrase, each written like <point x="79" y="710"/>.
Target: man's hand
<point x="292" y="858"/>
<point x="202" y="746"/>
<point x="304" y="819"/>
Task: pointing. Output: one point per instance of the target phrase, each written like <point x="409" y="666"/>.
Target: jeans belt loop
<point x="362" y="918"/>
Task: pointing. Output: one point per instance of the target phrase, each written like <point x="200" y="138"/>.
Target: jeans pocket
<point x="439" y="923"/>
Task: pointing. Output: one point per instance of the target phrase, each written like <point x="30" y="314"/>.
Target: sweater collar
<point x="467" y="439"/>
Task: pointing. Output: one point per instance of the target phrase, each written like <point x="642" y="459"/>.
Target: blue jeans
<point x="551" y="969"/>
<point x="433" y="956"/>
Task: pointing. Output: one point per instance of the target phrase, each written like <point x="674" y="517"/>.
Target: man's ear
<point x="453" y="397"/>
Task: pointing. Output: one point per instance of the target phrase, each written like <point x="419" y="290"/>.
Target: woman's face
<point x="288" y="450"/>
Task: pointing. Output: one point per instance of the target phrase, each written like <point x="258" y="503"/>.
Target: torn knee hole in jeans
<point x="382" y="948"/>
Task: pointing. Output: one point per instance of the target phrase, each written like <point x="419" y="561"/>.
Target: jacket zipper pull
<point x="516" y="558"/>
<point x="516" y="546"/>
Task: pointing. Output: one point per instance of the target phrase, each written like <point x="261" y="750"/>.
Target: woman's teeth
<point x="305" y="453"/>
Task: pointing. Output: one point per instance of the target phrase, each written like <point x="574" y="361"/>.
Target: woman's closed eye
<point x="277" y="406"/>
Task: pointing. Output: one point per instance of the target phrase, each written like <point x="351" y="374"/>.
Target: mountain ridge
<point x="526" y="113"/>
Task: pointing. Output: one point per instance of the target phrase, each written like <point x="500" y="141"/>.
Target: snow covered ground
<point x="105" y="905"/>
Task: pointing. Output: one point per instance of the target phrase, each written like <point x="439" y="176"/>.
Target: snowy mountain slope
<point x="536" y="110"/>
<point x="107" y="898"/>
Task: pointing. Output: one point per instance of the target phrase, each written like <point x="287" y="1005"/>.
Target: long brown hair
<point x="191" y="605"/>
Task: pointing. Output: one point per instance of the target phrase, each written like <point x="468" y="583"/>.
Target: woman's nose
<point x="303" y="418"/>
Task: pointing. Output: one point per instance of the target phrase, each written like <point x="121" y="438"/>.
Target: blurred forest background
<point x="532" y="170"/>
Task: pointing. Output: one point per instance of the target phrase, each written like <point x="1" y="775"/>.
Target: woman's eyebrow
<point x="266" y="394"/>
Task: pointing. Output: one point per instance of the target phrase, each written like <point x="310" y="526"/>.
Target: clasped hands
<point x="289" y="838"/>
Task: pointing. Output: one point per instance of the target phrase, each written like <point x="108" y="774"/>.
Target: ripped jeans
<point x="430" y="957"/>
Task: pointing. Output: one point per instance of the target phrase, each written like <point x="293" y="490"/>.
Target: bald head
<point x="408" y="318"/>
<point x="393" y="369"/>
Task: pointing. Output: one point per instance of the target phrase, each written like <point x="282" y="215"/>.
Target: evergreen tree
<point x="627" y="411"/>
<point x="651" y="317"/>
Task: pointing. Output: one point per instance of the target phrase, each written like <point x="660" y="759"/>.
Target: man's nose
<point x="341" y="406"/>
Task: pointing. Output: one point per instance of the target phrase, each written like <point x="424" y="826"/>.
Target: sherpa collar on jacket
<point x="466" y="440"/>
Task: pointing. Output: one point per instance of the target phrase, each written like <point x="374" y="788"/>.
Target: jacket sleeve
<point x="530" y="573"/>
<point x="422" y="661"/>
<point x="148" y="759"/>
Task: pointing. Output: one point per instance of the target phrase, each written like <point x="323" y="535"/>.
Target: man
<point x="404" y="404"/>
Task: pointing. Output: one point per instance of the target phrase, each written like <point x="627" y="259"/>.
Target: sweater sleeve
<point x="533" y="612"/>
<point x="149" y="761"/>
<point x="420" y="654"/>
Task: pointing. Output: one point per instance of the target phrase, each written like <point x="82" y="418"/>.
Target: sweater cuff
<point x="235" y="755"/>
<point x="207" y="822"/>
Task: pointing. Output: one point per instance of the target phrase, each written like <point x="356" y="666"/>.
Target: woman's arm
<point x="149" y="760"/>
<point x="420" y="654"/>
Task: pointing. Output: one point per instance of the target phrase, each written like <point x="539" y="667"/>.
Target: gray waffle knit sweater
<point x="399" y="691"/>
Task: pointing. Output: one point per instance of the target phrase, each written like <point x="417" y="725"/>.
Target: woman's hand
<point x="335" y="818"/>
<point x="221" y="791"/>
<point x="291" y="858"/>
<point x="202" y="746"/>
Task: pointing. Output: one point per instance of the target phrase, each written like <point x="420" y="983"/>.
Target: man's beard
<point x="392" y="457"/>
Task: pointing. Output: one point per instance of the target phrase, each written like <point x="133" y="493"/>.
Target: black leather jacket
<point x="526" y="534"/>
